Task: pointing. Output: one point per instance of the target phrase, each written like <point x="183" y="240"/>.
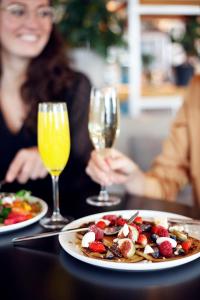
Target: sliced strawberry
<point x="101" y="224"/>
<point x="186" y="245"/>
<point x="138" y="220"/>
<point x="154" y="229"/>
<point x="142" y="239"/>
<point x="97" y="246"/>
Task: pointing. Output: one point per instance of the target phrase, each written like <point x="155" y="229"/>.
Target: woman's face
<point x="25" y="26"/>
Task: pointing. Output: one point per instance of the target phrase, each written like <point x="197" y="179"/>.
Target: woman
<point x="177" y="165"/>
<point x="33" y="69"/>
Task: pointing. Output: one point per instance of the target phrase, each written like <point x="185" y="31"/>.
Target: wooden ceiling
<point x="171" y="2"/>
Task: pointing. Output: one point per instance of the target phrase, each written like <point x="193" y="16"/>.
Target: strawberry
<point x="165" y="249"/>
<point x="138" y="220"/>
<point x="142" y="239"/>
<point x="97" y="246"/>
<point x="154" y="229"/>
<point x="186" y="245"/>
<point x="101" y="224"/>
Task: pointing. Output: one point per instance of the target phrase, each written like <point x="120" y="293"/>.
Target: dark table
<point x="41" y="269"/>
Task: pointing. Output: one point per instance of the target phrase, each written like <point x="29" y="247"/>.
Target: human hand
<point x="26" y="165"/>
<point x="111" y="167"/>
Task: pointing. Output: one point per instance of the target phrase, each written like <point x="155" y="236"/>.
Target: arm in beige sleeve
<point x="170" y="170"/>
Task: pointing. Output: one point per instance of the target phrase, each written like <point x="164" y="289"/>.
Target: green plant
<point x="147" y="60"/>
<point x="190" y="37"/>
<point x="88" y="23"/>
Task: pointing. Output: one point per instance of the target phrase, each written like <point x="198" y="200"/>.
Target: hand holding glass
<point x="54" y="148"/>
<point x="103" y="128"/>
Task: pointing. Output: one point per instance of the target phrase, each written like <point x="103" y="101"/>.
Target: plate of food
<point x="18" y="210"/>
<point x="150" y="242"/>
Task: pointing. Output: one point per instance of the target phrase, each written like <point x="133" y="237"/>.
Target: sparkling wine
<point x="103" y="137"/>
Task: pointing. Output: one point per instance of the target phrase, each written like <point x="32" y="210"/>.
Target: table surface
<point x="41" y="269"/>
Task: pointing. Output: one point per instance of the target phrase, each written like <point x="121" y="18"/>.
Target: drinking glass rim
<point x="48" y="105"/>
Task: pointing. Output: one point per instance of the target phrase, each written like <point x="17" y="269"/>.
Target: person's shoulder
<point x="81" y="78"/>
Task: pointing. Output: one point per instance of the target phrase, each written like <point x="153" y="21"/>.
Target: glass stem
<point x="56" y="209"/>
<point x="103" y="195"/>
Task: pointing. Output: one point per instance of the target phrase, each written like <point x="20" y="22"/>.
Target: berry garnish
<point x="154" y="237"/>
<point x="142" y="240"/>
<point x="156" y="252"/>
<point x="138" y="220"/>
<point x="97" y="246"/>
<point x="111" y="218"/>
<point x="101" y="224"/>
<point x="160" y="231"/>
<point x="165" y="249"/>
<point x="121" y="221"/>
<point x="186" y="245"/>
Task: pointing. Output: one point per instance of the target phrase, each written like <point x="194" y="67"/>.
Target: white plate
<point x="44" y="208"/>
<point x="67" y="241"/>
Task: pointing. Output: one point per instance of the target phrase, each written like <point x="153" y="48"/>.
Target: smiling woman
<point x="34" y="68"/>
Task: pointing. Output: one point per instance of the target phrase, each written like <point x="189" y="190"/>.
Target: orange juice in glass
<point x="54" y="148"/>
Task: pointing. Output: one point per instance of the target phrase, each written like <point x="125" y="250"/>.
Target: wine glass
<point x="103" y="128"/>
<point x="54" y="148"/>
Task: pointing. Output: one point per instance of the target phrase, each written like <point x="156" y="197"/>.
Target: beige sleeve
<point x="170" y="170"/>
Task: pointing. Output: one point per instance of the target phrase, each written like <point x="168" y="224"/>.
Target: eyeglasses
<point x="17" y="12"/>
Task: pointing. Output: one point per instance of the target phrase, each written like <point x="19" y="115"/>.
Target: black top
<point x="74" y="184"/>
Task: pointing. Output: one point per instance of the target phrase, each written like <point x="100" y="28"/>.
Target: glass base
<point x="98" y="201"/>
<point x="55" y="223"/>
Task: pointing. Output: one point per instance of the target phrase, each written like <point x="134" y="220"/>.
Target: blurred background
<point x="148" y="49"/>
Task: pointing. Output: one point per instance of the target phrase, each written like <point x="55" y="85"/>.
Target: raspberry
<point x="121" y="221"/>
<point x="97" y="247"/>
<point x="160" y="231"/>
<point x="111" y="218"/>
<point x="165" y="249"/>
<point x="98" y="232"/>
<point x="163" y="232"/>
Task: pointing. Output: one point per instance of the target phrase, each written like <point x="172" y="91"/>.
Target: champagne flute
<point x="54" y="148"/>
<point x="103" y="128"/>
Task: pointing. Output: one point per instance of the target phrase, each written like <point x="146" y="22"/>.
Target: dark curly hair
<point x="47" y="76"/>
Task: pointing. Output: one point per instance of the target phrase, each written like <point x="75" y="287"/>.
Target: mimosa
<point x="54" y="148"/>
<point x="54" y="140"/>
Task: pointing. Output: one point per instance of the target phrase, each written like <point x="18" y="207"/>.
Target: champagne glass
<point x="103" y="128"/>
<point x="54" y="148"/>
